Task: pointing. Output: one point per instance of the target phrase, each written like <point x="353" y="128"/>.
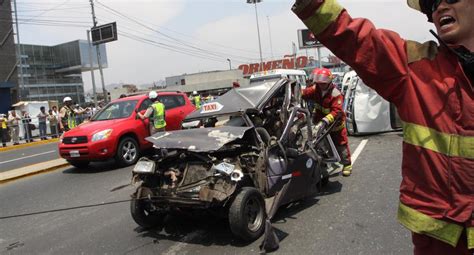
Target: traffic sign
<point x="104" y="33"/>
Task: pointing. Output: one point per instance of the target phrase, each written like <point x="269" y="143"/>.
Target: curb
<point x="32" y="170"/>
<point x="25" y="145"/>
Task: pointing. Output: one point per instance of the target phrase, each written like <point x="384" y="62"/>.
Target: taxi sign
<point x="211" y="107"/>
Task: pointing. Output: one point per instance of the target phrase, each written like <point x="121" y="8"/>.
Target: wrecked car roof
<point x="197" y="139"/>
<point x="237" y="100"/>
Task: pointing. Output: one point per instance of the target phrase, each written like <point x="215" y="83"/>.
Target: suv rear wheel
<point x="128" y="152"/>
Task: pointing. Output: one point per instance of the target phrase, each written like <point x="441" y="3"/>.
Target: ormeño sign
<point x="286" y="63"/>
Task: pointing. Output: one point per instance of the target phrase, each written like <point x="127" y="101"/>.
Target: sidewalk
<point x="23" y="144"/>
<point x="32" y="170"/>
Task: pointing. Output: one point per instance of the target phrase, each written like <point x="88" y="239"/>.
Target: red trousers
<point x="426" y="245"/>
<point x="342" y="145"/>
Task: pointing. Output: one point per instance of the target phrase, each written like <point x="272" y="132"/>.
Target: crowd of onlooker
<point x="10" y="124"/>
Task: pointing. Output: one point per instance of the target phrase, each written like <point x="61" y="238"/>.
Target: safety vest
<point x="69" y="118"/>
<point x="158" y="115"/>
<point x="434" y="99"/>
<point x="197" y="101"/>
<point x="4" y="123"/>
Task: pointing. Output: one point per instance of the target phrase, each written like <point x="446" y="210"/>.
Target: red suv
<point x="116" y="132"/>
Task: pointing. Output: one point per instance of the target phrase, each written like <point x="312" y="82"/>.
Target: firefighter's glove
<point x="300" y="5"/>
<point x="326" y="121"/>
<point x="321" y="126"/>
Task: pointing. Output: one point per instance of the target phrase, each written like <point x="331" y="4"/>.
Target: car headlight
<point x="144" y="166"/>
<point x="61" y="137"/>
<point x="104" y="134"/>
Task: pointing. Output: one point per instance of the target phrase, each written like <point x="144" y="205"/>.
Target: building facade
<point x="54" y="72"/>
<point x="8" y="59"/>
<point x="206" y="81"/>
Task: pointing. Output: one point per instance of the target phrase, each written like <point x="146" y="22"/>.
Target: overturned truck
<point x="231" y="156"/>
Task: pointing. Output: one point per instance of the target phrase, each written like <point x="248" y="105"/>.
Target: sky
<point x="161" y="38"/>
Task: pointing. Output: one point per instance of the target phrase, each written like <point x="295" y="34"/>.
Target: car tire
<point x="144" y="218"/>
<point x="247" y="214"/>
<point x="79" y="163"/>
<point x="128" y="152"/>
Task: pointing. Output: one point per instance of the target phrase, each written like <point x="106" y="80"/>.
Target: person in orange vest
<point x="432" y="87"/>
<point x="327" y="107"/>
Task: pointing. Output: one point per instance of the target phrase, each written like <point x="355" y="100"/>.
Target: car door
<point x="142" y="129"/>
<point x="174" y="106"/>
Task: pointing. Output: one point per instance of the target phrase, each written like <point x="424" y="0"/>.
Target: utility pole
<point x="94" y="20"/>
<point x="258" y="30"/>
<point x="92" y="68"/>
<point x="270" y="35"/>
<point x="18" y="50"/>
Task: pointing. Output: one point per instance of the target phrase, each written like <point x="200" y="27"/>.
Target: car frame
<point x="231" y="169"/>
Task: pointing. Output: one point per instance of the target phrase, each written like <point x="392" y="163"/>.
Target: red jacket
<point x="327" y="106"/>
<point x="434" y="98"/>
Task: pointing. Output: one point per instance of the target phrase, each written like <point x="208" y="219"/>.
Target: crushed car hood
<point x="198" y="139"/>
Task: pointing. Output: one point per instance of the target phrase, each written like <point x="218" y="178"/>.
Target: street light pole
<point x="21" y="84"/>
<point x="258" y="30"/>
<point x="270" y="36"/>
<point x="230" y="64"/>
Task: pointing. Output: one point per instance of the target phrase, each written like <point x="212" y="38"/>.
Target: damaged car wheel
<point x="143" y="215"/>
<point x="247" y="214"/>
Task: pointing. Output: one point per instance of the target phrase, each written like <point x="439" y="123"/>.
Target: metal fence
<point x="29" y="129"/>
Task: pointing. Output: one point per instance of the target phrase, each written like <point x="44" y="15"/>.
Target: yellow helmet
<point x="423" y="6"/>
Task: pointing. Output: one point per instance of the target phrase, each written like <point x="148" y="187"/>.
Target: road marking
<point x="358" y="150"/>
<point x="31" y="156"/>
<point x="177" y="248"/>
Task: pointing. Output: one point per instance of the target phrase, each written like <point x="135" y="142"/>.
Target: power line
<point x="171" y="48"/>
<point x="173" y="40"/>
<point x="56" y="9"/>
<point x="51" y="9"/>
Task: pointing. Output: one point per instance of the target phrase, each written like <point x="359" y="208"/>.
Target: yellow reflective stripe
<point x="470" y="238"/>
<point x="417" y="51"/>
<point x="423" y="224"/>
<point x="447" y="144"/>
<point x="324" y="16"/>
<point x="330" y="118"/>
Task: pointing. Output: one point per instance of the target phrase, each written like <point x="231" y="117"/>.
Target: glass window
<point x="145" y="104"/>
<point x="172" y="101"/>
<point x="118" y="110"/>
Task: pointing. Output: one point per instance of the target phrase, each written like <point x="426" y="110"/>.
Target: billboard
<point x="289" y="62"/>
<point x="307" y="39"/>
<point x="104" y="33"/>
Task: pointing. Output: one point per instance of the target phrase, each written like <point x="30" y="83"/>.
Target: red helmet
<point x="313" y="74"/>
<point x="322" y="75"/>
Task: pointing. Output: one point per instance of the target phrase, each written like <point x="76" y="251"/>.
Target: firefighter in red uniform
<point x="433" y="88"/>
<point x="327" y="108"/>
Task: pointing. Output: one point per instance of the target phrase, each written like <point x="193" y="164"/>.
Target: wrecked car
<point x="232" y="158"/>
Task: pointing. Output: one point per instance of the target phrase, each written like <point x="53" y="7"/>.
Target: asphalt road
<point x="355" y="215"/>
<point x="28" y="156"/>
